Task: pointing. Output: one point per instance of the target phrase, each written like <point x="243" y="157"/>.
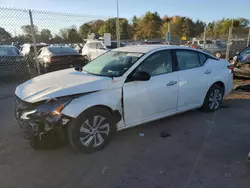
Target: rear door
<point x="195" y="77"/>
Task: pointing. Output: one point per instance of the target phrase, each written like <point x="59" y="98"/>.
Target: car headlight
<point x="51" y="108"/>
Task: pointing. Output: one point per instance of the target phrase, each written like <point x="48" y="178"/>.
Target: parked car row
<point x="50" y="57"/>
<point x="12" y="63"/>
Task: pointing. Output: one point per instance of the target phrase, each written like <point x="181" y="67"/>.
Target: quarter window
<point x="203" y="58"/>
<point x="187" y="59"/>
<point x="99" y="46"/>
<point x="156" y="64"/>
<point x="93" y="45"/>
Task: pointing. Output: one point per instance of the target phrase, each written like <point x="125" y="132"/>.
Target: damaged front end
<point x="43" y="122"/>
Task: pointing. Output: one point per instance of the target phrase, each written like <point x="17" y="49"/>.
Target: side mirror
<point x="102" y="48"/>
<point x="237" y="53"/>
<point x="140" y="76"/>
<point x="79" y="69"/>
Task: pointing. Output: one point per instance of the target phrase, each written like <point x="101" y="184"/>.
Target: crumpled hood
<point x="60" y="83"/>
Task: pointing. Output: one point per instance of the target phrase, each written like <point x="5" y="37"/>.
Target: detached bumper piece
<point x="43" y="132"/>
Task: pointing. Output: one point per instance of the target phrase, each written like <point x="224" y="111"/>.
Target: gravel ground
<point x="203" y="150"/>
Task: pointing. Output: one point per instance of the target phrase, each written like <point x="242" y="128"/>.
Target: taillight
<point x="53" y="59"/>
<point x="231" y="67"/>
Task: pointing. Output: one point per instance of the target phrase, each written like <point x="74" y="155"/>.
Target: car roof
<point x="90" y="41"/>
<point x="146" y="48"/>
<point x="37" y="44"/>
<point x="7" y="46"/>
<point x="57" y="47"/>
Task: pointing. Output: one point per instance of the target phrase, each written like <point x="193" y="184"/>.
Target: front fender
<point x="110" y="98"/>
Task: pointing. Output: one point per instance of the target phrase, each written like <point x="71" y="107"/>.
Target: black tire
<point x="74" y="133"/>
<point x="207" y="105"/>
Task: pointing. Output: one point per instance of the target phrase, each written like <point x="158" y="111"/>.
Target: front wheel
<point x="213" y="98"/>
<point x="91" y="130"/>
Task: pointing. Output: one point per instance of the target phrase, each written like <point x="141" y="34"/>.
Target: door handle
<point x="207" y="72"/>
<point x="171" y="83"/>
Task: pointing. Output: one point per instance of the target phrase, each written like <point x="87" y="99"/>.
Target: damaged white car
<point x="122" y="88"/>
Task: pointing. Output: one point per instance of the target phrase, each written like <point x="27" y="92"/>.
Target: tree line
<point x="149" y="26"/>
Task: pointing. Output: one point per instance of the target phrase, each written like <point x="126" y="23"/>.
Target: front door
<point x="147" y="100"/>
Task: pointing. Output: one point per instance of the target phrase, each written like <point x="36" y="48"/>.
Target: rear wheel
<point x="213" y="98"/>
<point x="91" y="130"/>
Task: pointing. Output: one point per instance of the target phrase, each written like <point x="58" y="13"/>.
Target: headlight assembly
<point x="51" y="108"/>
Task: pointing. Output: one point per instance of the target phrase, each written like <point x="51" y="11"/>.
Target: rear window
<point x="62" y="50"/>
<point x="32" y="48"/>
<point x="9" y="51"/>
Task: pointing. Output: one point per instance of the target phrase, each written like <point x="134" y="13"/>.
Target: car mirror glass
<point x="140" y="76"/>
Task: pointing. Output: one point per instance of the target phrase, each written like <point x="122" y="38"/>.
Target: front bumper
<point x="34" y="125"/>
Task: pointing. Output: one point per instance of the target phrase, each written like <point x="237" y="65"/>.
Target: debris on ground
<point x="104" y="169"/>
<point x="141" y="134"/>
<point x="245" y="87"/>
<point x="227" y="175"/>
<point x="164" y="134"/>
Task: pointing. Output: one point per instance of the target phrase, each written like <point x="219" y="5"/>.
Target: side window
<point x="99" y="45"/>
<point x="187" y="59"/>
<point x="156" y="64"/>
<point x="93" y="45"/>
<point x="87" y="46"/>
<point x="203" y="58"/>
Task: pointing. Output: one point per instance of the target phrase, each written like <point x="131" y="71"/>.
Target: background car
<point x="93" y="49"/>
<point x="242" y="63"/>
<point x="114" y="45"/>
<point x="28" y="51"/>
<point x="218" y="50"/>
<point x="200" y="43"/>
<point x="151" y="42"/>
<point x="54" y="58"/>
<point x="12" y="63"/>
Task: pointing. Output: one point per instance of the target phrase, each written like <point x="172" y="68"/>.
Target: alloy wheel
<point x="93" y="131"/>
<point x="215" y="99"/>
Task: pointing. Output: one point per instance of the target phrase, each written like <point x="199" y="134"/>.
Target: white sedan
<point x="122" y="88"/>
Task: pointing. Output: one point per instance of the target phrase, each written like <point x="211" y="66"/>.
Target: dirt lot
<point x="203" y="150"/>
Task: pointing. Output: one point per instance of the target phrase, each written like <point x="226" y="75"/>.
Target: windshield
<point x="245" y="51"/>
<point x="62" y="50"/>
<point x="112" y="63"/>
<point x="9" y="51"/>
